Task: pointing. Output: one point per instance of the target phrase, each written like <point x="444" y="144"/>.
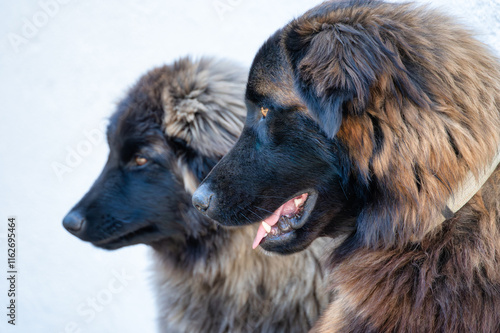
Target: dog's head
<point x="166" y="135"/>
<point x="362" y="119"/>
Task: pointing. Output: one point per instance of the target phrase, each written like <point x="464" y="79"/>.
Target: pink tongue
<point x="271" y="220"/>
<point x="287" y="209"/>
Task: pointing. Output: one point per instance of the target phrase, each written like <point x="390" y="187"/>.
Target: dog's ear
<point x="335" y="66"/>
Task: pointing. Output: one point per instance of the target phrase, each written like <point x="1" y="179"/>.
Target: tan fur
<point x="175" y="123"/>
<point x="459" y="105"/>
<point x="379" y="287"/>
<point x="424" y="114"/>
<point x="200" y="95"/>
<point x="289" y="300"/>
<point x="188" y="179"/>
<point x="212" y="280"/>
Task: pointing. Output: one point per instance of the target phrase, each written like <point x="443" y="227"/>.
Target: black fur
<point x="166" y="135"/>
<point x="130" y="204"/>
<point x="279" y="155"/>
<point x="382" y="113"/>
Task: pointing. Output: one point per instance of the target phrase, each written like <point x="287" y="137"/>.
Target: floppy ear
<point x="335" y="65"/>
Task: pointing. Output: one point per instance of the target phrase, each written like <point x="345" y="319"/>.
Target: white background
<point x="63" y="80"/>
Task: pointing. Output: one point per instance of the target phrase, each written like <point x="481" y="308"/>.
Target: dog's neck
<point x="468" y="188"/>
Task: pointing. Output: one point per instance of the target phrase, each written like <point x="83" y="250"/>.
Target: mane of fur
<point x="422" y="106"/>
<point x="422" y="110"/>
<point x="232" y="288"/>
<point x="448" y="282"/>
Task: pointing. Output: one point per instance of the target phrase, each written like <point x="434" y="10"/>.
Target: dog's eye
<point x="140" y="160"/>
<point x="264" y="111"/>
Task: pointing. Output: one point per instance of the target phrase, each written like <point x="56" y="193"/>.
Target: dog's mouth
<point x="129" y="238"/>
<point x="290" y="216"/>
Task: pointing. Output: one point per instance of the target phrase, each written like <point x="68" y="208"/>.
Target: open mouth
<point x="290" y="216"/>
<point x="131" y="237"/>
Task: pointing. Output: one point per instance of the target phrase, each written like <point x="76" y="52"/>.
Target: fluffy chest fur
<point x="237" y="289"/>
<point x="449" y="282"/>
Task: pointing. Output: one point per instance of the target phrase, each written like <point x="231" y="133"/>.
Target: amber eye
<point x="264" y="111"/>
<point x="140" y="160"/>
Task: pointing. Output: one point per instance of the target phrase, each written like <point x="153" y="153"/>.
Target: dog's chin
<point x="292" y="242"/>
<point x="145" y="235"/>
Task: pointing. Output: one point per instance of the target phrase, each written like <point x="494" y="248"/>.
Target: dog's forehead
<point x="127" y="135"/>
<point x="270" y="77"/>
<point x="141" y="109"/>
<point x="133" y="119"/>
<point x="134" y="125"/>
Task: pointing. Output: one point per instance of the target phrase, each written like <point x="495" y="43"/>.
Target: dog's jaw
<point x="281" y="225"/>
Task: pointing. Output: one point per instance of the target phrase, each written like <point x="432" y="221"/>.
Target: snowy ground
<point x="63" y="65"/>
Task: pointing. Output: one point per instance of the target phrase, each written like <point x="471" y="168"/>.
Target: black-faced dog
<point x="166" y="135"/>
<point x="376" y="124"/>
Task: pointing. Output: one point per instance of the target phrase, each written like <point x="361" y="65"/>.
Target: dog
<point x="167" y="133"/>
<point x="376" y="124"/>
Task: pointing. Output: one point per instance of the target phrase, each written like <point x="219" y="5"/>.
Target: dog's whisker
<point x="243" y="209"/>
<point x="265" y="210"/>
<point x="270" y="196"/>
<point x="342" y="187"/>
<point x="254" y="213"/>
<point x="234" y="216"/>
<point x="241" y="213"/>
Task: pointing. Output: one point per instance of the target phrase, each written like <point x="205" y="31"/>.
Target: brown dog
<point x="377" y="124"/>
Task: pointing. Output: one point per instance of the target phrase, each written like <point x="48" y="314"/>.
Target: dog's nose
<point x="74" y="222"/>
<point x="202" y="198"/>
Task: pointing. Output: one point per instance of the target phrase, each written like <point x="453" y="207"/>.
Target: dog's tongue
<point x="288" y="208"/>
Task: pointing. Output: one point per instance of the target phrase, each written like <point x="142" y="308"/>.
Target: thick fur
<point x="382" y="109"/>
<point x="182" y="118"/>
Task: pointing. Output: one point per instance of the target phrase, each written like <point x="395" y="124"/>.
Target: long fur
<point x="397" y="104"/>
<point x="196" y="105"/>
<point x="183" y="118"/>
<point x="413" y="84"/>
<point x="229" y="287"/>
<point x="421" y="109"/>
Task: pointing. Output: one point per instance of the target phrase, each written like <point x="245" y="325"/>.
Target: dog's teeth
<point x="298" y="202"/>
<point x="284" y="225"/>
<point x="266" y="226"/>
